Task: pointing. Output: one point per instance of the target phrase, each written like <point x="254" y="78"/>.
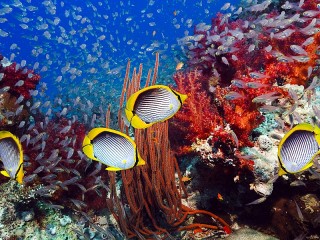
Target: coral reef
<point x="58" y="164"/>
<point x="237" y="68"/>
<point x="17" y="79"/>
<point x="240" y="69"/>
<point x="58" y="176"/>
<point x="22" y="216"/>
<point x="16" y="86"/>
<point x="202" y="125"/>
<point x="245" y="233"/>
<point x="250" y="77"/>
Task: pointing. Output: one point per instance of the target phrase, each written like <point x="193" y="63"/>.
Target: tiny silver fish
<point x="298" y="49"/>
<point x="233" y="96"/>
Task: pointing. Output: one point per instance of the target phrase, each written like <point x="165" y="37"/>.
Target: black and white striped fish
<point x="152" y="104"/>
<point x="11" y="156"/>
<point x="112" y="148"/>
<point x="298" y="148"/>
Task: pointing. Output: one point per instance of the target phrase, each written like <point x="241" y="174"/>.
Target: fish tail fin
<point x="19" y="177"/>
<point x="125" y="117"/>
<point x="183" y="97"/>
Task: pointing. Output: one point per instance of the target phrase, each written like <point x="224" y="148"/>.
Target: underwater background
<point x="250" y="70"/>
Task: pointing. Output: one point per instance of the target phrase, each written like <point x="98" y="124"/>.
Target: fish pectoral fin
<point x="5" y="173"/>
<point x="113" y="169"/>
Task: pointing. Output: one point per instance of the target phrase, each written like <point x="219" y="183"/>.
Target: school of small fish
<point x="79" y="52"/>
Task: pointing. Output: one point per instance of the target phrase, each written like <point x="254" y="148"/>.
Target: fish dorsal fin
<point x="95" y="132"/>
<point x="303" y="127"/>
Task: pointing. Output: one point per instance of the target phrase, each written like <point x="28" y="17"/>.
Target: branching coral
<point x="56" y="170"/>
<point x="198" y="117"/>
<point x="206" y="119"/>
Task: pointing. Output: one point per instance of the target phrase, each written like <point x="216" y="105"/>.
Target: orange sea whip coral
<point x="152" y="192"/>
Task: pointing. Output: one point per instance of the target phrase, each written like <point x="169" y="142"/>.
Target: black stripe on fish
<point x="16" y="175"/>
<point x="178" y="96"/>
<point x="137" y="160"/>
<point x="281" y="165"/>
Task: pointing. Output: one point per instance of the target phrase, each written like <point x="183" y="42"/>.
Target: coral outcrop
<point x="16" y="86"/>
<point x="16" y="79"/>
<point x="237" y="69"/>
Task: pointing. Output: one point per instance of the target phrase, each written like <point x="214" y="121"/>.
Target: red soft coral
<point x="198" y="116"/>
<point x="57" y="145"/>
<point x="13" y="74"/>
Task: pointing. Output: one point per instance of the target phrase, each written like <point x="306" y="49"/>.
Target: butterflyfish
<point x="152" y="104"/>
<point x="11" y="155"/>
<point x="112" y="148"/>
<point x="298" y="148"/>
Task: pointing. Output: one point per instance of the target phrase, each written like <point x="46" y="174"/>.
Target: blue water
<point x="68" y="33"/>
